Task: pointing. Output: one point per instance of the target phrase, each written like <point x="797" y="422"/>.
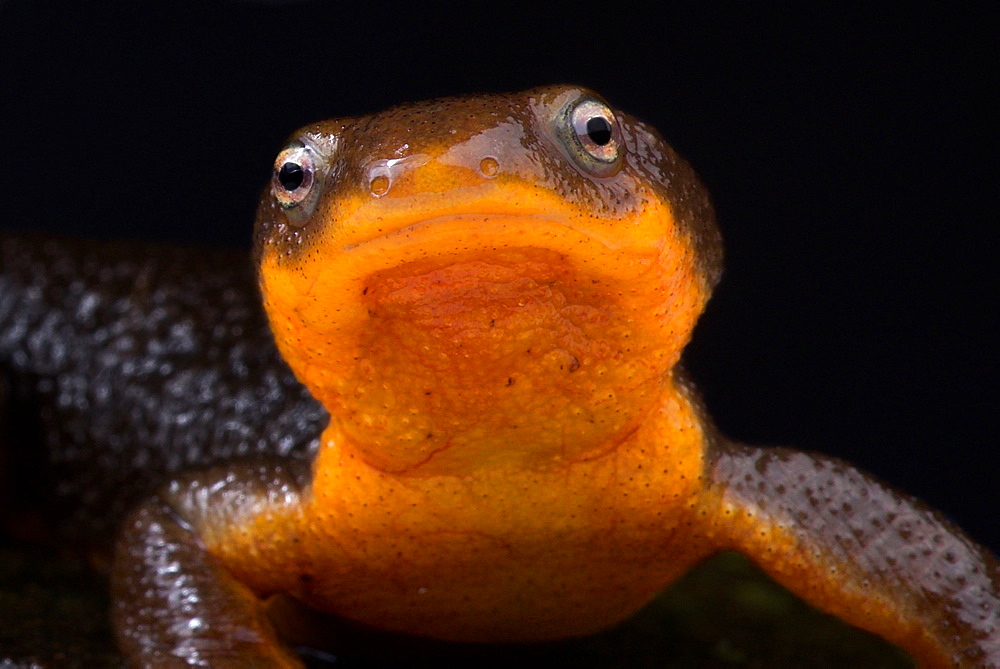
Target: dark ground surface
<point x="726" y="614"/>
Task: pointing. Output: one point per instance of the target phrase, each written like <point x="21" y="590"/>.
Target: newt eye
<point x="294" y="175"/>
<point x="592" y="136"/>
<point x="300" y="172"/>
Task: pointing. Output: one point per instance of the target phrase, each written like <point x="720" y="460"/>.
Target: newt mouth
<point x="496" y="225"/>
<point x="463" y="238"/>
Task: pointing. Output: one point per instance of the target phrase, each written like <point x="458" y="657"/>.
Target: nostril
<point x="489" y="167"/>
<point x="379" y="185"/>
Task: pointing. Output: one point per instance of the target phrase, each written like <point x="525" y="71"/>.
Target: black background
<point x="849" y="155"/>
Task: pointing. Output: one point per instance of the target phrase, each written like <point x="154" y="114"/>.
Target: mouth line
<point x="489" y="222"/>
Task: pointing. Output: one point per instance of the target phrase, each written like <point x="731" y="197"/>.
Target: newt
<point x="460" y="413"/>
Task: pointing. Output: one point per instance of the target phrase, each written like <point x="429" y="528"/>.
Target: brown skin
<point x="491" y="303"/>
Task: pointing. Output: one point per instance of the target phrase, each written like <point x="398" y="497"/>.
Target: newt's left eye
<point x="594" y="125"/>
<point x="591" y="134"/>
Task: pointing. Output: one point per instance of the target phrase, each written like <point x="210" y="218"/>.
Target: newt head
<point x="488" y="280"/>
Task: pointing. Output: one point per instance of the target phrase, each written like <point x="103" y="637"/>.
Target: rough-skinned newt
<point x="463" y="416"/>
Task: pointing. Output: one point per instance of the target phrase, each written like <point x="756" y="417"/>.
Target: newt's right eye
<point x="299" y="173"/>
<point x="294" y="175"/>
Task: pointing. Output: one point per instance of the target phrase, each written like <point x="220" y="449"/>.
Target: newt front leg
<point x="852" y="546"/>
<point x="174" y="601"/>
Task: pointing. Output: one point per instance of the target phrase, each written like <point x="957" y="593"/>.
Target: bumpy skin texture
<point x="132" y="363"/>
<point x="491" y="312"/>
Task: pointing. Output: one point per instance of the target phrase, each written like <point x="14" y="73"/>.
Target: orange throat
<point x="497" y="355"/>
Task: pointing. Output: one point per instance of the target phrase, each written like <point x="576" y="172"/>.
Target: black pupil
<point x="599" y="130"/>
<point x="291" y="176"/>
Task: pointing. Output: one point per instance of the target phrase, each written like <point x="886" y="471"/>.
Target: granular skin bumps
<point x="136" y="362"/>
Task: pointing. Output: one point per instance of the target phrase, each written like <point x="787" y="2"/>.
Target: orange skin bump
<point x="494" y="320"/>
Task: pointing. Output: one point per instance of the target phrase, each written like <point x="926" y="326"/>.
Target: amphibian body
<point x="487" y="299"/>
